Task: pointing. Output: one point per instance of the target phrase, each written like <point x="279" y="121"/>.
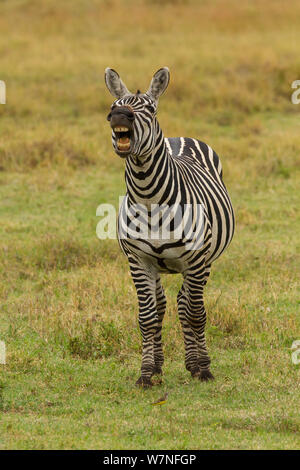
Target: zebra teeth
<point x="121" y="129"/>
<point x="123" y="143"/>
<point x="123" y="146"/>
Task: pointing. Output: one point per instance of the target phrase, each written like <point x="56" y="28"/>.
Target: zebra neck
<point x="149" y="183"/>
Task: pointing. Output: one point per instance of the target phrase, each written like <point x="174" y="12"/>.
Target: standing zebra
<point x="163" y="173"/>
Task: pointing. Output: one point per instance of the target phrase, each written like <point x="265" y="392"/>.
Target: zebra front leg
<point x="191" y="348"/>
<point x="160" y="308"/>
<point x="145" y="284"/>
<point x="196" y="317"/>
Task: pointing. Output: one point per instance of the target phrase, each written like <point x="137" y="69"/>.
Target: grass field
<point x="68" y="306"/>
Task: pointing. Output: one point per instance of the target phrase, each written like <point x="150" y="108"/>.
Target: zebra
<point x="167" y="172"/>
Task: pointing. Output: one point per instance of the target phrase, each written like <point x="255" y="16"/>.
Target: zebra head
<point x="133" y="116"/>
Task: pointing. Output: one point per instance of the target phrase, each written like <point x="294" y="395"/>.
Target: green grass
<point x="68" y="306"/>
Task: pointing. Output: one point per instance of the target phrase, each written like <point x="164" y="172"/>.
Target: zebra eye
<point x="111" y="109"/>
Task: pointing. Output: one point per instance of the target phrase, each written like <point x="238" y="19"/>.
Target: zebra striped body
<point x="194" y="174"/>
<point x="167" y="174"/>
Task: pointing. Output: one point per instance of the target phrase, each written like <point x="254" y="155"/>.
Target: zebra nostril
<point x="109" y="117"/>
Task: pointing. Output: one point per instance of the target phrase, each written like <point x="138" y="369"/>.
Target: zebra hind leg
<point x="192" y="357"/>
<point x="204" y="360"/>
<point x="196" y="319"/>
<point x="160" y="308"/>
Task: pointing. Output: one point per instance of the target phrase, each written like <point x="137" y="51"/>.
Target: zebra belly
<point x="162" y="257"/>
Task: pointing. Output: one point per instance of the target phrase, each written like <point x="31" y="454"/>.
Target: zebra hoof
<point x="157" y="371"/>
<point x="195" y="373"/>
<point x="205" y="375"/>
<point x="157" y="375"/>
<point x="144" y="382"/>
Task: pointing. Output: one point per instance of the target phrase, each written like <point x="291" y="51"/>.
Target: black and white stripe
<point x="169" y="172"/>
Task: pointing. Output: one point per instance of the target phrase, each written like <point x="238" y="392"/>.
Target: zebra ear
<point x="159" y="83"/>
<point x="114" y="83"/>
